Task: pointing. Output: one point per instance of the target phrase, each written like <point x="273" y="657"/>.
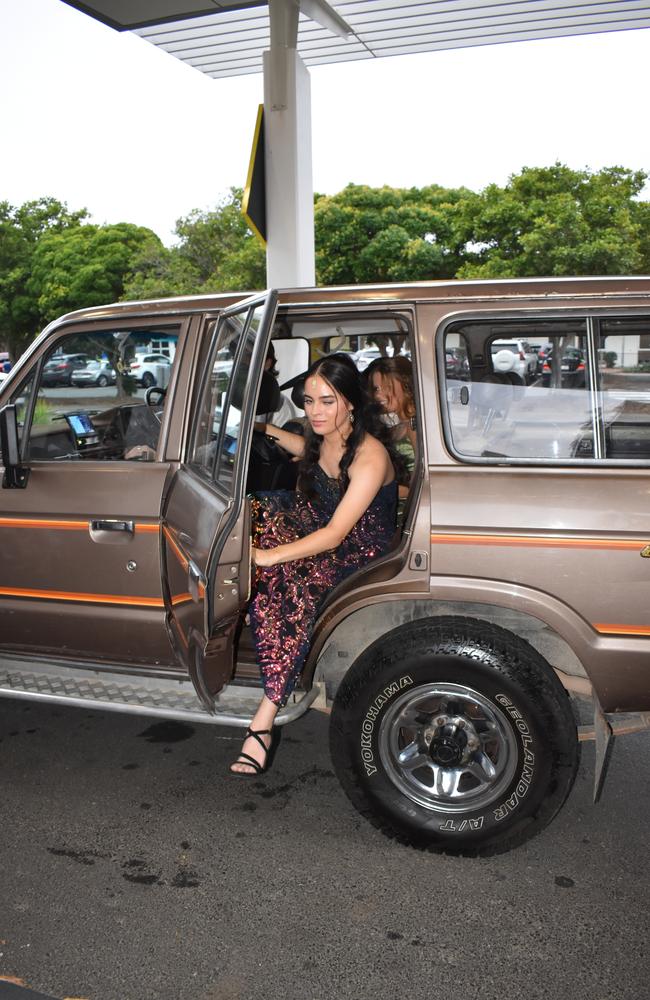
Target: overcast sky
<point x="106" y="121"/>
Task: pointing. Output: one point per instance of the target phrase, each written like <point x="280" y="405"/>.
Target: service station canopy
<point x="229" y="37"/>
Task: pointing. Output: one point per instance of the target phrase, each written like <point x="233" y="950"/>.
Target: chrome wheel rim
<point x="448" y="748"/>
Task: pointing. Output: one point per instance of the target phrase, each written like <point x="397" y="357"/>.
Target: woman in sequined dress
<point x="305" y="543"/>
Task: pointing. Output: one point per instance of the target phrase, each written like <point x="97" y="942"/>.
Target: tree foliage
<point x="557" y="221"/>
<point x="85" y="265"/>
<point x="216" y="252"/>
<point x="21" y="230"/>
<point x="368" y="234"/>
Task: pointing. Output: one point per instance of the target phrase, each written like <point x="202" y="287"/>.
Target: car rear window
<point x="587" y="401"/>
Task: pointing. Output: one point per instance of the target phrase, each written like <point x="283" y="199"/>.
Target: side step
<point x="160" y="697"/>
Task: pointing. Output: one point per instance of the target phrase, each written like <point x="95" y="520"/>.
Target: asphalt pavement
<point x="133" y="867"/>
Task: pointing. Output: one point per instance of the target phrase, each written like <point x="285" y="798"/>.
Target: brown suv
<point x="508" y="622"/>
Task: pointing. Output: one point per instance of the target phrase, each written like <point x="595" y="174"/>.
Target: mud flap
<point x="604" y="746"/>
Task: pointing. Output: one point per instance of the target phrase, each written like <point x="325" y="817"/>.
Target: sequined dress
<point x="287" y="597"/>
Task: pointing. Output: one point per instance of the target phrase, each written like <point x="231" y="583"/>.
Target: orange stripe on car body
<point x="614" y="629"/>
<point x="176" y="548"/>
<point x="181" y="599"/>
<point x="56" y="525"/>
<point x="64" y="595"/>
<point x="537" y="541"/>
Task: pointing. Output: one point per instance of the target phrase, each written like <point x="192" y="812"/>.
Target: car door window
<point x="90" y="403"/>
<point x="215" y="443"/>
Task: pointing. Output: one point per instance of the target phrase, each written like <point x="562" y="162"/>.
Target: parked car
<point x="572" y="367"/>
<point x="456" y="364"/>
<point x="99" y="373"/>
<point x="540" y="352"/>
<point x="151" y="369"/>
<point x="455" y="667"/>
<point x="58" y="370"/>
<point x="526" y="365"/>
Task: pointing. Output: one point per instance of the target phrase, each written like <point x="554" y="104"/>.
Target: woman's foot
<point x="254" y="756"/>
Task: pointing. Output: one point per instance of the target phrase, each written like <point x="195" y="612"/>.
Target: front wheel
<point x="454" y="735"/>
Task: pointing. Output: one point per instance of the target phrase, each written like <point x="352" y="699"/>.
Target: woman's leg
<point x="262" y="720"/>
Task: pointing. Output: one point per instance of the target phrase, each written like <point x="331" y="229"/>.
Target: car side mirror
<point x="15" y="475"/>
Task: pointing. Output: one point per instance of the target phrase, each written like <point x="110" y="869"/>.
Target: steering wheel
<point x="154" y="390"/>
<point x="270" y="467"/>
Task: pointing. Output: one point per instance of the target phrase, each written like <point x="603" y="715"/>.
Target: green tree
<point x="21" y="230"/>
<point x="216" y="252"/>
<point x="85" y="265"/>
<point x="368" y="234"/>
<point x="556" y="221"/>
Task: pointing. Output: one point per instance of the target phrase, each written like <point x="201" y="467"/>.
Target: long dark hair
<point x="339" y="371"/>
<point x="399" y="370"/>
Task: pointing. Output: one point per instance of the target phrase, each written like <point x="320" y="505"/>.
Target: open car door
<point x="206" y="529"/>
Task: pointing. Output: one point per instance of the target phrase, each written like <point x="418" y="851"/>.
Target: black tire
<point x="102" y="381"/>
<point x="148" y="380"/>
<point x="454" y="735"/>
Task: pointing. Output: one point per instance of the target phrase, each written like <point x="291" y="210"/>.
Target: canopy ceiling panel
<point x="228" y="38"/>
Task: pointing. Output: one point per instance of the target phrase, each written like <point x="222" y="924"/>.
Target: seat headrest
<point x="270" y="397"/>
<point x="297" y="386"/>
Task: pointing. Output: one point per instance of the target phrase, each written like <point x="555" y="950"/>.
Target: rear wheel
<point x="102" y="381"/>
<point x="148" y="380"/>
<point x="454" y="735"/>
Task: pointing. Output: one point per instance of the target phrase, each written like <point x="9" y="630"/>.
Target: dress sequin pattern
<point x="288" y="597"/>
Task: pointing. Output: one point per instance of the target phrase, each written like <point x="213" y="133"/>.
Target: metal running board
<point x="161" y="697"/>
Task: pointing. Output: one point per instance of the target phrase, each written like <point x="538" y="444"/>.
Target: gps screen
<point x="81" y="424"/>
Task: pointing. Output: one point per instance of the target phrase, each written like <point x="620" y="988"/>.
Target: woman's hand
<point x="262" y="557"/>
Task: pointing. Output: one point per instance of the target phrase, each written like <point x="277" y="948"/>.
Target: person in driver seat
<point x="286" y="411"/>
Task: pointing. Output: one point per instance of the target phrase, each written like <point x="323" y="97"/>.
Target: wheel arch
<point x="354" y="632"/>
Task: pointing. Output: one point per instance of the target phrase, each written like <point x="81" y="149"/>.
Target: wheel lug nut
<point x="440" y="721"/>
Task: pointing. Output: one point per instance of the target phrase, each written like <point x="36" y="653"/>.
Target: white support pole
<point x="288" y="160"/>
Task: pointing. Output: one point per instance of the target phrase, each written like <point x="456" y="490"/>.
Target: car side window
<point x="91" y="399"/>
<point x="624" y="375"/>
<point x="508" y="402"/>
<point x="217" y="415"/>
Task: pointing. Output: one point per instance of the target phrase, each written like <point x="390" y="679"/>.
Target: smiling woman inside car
<point x="390" y="382"/>
<point x="305" y="543"/>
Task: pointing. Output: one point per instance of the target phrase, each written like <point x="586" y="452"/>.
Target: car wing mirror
<point x="15" y="475"/>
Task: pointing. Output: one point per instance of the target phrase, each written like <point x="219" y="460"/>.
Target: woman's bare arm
<point x="293" y="443"/>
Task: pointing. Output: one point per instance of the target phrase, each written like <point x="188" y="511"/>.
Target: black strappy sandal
<point x="248" y="761"/>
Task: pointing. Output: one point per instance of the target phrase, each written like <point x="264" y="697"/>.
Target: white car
<point x="526" y="359"/>
<point x="151" y="369"/>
